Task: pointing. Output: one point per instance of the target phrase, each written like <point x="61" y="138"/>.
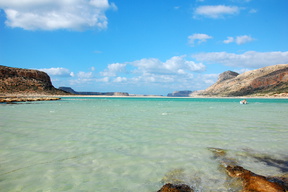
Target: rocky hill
<point x="180" y="94"/>
<point x="17" y="81"/>
<point x="264" y="81"/>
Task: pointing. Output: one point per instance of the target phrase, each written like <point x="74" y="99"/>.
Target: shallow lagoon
<point x="130" y="144"/>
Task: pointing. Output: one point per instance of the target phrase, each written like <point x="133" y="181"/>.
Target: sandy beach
<point x="12" y="98"/>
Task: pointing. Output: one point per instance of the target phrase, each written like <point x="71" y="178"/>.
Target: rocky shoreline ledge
<point x="26" y="99"/>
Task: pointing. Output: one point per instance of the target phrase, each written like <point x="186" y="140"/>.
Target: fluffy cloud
<point x="249" y="59"/>
<point x="239" y="39"/>
<point x="198" y="37"/>
<point x="120" y="79"/>
<point x="176" y="64"/>
<point x="174" y="71"/>
<point x="114" y="69"/>
<point x="59" y="71"/>
<point x="216" y="11"/>
<point x="53" y="15"/>
<point x="84" y="75"/>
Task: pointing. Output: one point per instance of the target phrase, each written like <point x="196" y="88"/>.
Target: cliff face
<point x="25" y="81"/>
<point x="267" y="80"/>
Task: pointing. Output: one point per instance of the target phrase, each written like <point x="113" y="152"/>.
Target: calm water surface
<point x="136" y="144"/>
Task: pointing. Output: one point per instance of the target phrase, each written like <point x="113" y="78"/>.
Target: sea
<point x="128" y="144"/>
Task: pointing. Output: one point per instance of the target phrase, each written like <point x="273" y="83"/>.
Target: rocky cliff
<point x="265" y="81"/>
<point x="25" y="82"/>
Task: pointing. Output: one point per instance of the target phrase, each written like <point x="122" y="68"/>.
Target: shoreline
<point x="200" y="96"/>
<point x="12" y="98"/>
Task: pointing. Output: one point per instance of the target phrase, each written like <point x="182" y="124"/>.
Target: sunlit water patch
<point x="136" y="144"/>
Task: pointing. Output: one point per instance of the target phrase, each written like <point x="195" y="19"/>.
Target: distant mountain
<point x="26" y="82"/>
<point x="70" y="90"/>
<point x="180" y="94"/>
<point x="264" y="81"/>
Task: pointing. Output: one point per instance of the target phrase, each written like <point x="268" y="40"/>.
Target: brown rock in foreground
<point x="253" y="182"/>
<point x="264" y="81"/>
<point x="250" y="182"/>
<point x="26" y="82"/>
<point x="175" y="188"/>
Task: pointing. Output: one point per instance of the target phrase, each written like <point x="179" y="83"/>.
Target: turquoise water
<point x="130" y="144"/>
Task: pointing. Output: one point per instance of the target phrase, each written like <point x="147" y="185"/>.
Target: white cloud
<point x="53" y="15"/>
<point x="114" y="69"/>
<point x="104" y="80"/>
<point x="253" y="11"/>
<point x="120" y="79"/>
<point x="172" y="65"/>
<point x="209" y="79"/>
<point x="176" y="70"/>
<point x="59" y="71"/>
<point x="216" y="11"/>
<point x="154" y="78"/>
<point x="239" y="39"/>
<point x="229" y="40"/>
<point x="84" y="75"/>
<point x="249" y="59"/>
<point x="243" y="39"/>
<point x="151" y="65"/>
<point x="198" y="37"/>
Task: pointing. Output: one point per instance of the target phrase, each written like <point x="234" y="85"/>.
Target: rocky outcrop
<point x="248" y="180"/>
<point x="227" y="75"/>
<point x="26" y="82"/>
<point x="175" y="188"/>
<point x="265" y="81"/>
<point x="70" y="90"/>
<point x="254" y="182"/>
<point x="180" y="94"/>
<point x="26" y="99"/>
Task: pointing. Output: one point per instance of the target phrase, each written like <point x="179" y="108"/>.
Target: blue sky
<point x="142" y="46"/>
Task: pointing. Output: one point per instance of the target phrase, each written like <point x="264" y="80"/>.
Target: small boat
<point x="243" y="101"/>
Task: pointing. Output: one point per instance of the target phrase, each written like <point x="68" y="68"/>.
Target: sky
<point x="142" y="46"/>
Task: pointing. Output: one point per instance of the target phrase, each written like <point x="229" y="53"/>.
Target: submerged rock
<point x="175" y="188"/>
<point x="175" y="176"/>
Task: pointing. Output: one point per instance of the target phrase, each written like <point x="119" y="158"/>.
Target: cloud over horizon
<point x="58" y="71"/>
<point x="175" y="70"/>
<point x="53" y="15"/>
<point x="249" y="59"/>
